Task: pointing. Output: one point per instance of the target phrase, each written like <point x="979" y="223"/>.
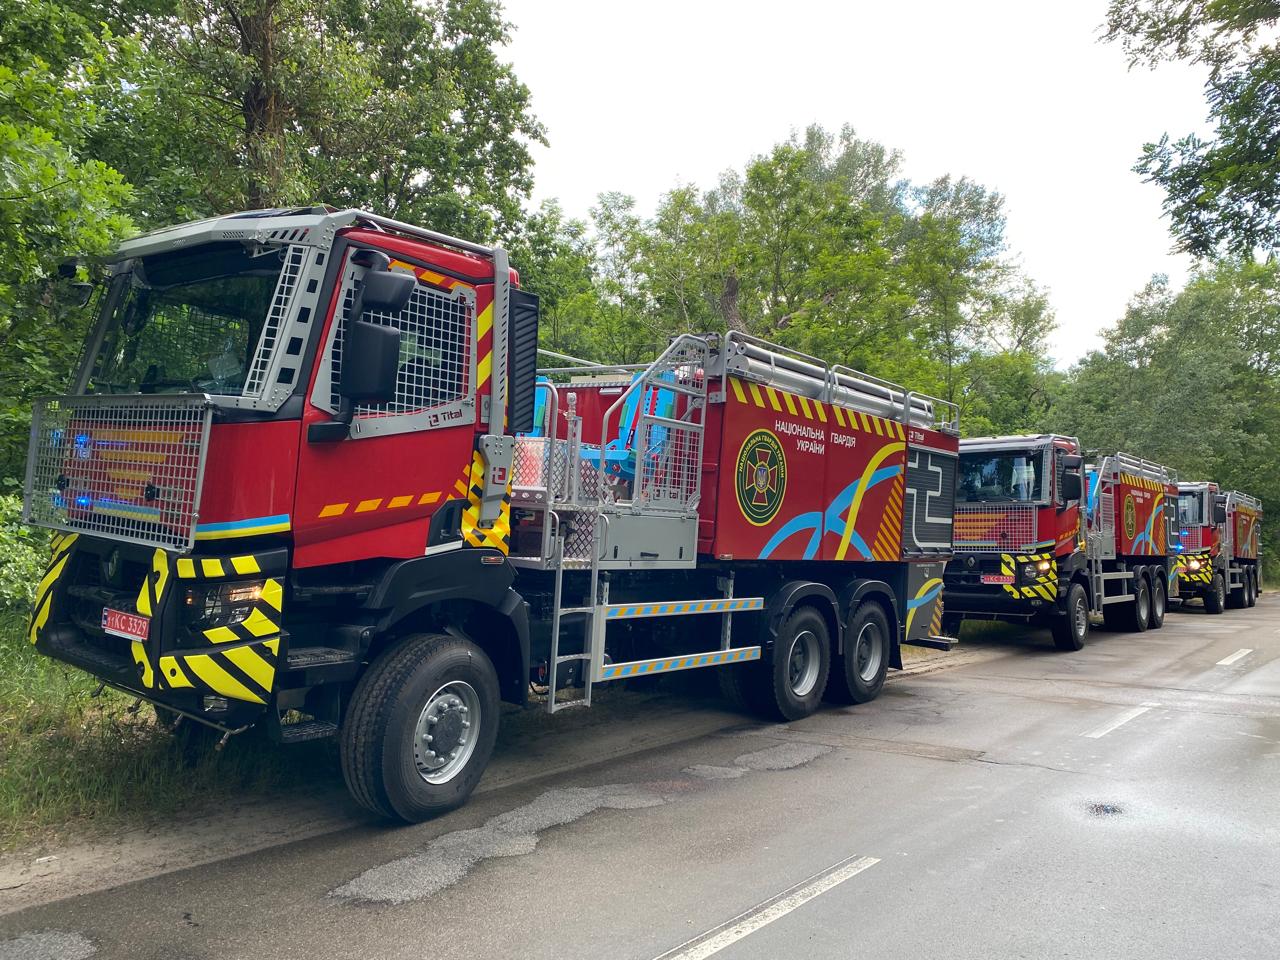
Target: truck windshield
<point x="186" y="322"/>
<point x="1190" y="510"/>
<point x="1005" y="477"/>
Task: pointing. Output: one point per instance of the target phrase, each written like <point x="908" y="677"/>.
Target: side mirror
<point x="1070" y="486"/>
<point x="386" y="291"/>
<point x="1072" y="461"/>
<point x="370" y="362"/>
<point x="1219" y="509"/>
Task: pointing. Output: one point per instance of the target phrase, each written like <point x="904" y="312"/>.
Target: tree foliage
<point x="1221" y="194"/>
<point x="822" y="245"/>
<point x="1191" y="379"/>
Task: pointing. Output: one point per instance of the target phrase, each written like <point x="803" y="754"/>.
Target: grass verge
<point x="70" y="762"/>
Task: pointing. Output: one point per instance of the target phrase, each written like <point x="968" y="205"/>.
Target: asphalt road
<point x="1117" y="802"/>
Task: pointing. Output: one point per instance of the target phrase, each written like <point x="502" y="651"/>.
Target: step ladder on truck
<point x="345" y="501"/>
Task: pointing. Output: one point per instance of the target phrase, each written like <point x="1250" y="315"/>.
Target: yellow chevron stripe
<point x="737" y="389"/>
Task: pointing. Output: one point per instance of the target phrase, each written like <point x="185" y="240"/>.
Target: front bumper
<point x="1022" y="598"/>
<point x="227" y="672"/>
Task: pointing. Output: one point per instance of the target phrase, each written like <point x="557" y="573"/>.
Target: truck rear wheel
<point x="790" y="685"/>
<point x="420" y="727"/>
<point x="1159" y="599"/>
<point x="1215" y="601"/>
<point x="1251" y="589"/>
<point x="1138" y="613"/>
<point x="1072" y="628"/>
<point x="857" y="676"/>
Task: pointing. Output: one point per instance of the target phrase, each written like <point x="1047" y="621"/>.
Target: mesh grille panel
<point x="1196" y="538"/>
<point x="434" y="351"/>
<point x="127" y="468"/>
<point x="995" y="527"/>
<point x="275" y="321"/>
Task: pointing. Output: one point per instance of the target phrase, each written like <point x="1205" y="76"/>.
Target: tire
<point x="1215" y="600"/>
<point x="1251" y="589"/>
<point x="857" y="676"/>
<point x="1071" y="628"/>
<point x="790" y="684"/>
<point x="1138" y="613"/>
<point x="1236" y="599"/>
<point x="1159" y="600"/>
<point x="396" y="714"/>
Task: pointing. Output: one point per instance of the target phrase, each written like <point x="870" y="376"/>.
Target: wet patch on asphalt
<point x="450" y="857"/>
<point x="47" y="945"/>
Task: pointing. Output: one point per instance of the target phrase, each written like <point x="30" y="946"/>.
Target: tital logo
<point x="760" y="479"/>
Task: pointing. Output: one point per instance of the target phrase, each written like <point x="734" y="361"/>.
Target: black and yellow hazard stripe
<point x="474" y="534"/>
<point x="1045" y="586"/>
<point x="1204" y="574"/>
<point x="240" y="672"/>
<point x="242" y="659"/>
<point x="59" y="555"/>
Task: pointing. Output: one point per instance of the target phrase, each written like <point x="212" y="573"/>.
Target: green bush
<point x="24" y="554"/>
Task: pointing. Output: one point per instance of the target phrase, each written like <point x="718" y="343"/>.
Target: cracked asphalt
<point x="1116" y="802"/>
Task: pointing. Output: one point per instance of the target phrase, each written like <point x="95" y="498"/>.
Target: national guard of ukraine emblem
<point x="760" y="480"/>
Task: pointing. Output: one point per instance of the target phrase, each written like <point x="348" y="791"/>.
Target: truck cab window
<point x="435" y="351"/>
<point x="1190" y="510"/>
<point x="187" y="323"/>
<point x="1016" y="477"/>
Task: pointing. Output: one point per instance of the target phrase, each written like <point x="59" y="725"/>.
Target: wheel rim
<point x="445" y="735"/>
<point x="1158" y="604"/>
<point x="1081" y="617"/>
<point x="802" y="663"/>
<point x="869" y="652"/>
<point x="1144" y="605"/>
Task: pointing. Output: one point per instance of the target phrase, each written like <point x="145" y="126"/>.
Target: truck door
<point x="394" y="486"/>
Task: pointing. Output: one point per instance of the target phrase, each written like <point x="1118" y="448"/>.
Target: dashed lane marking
<point x="764" y="913"/>
<point x="1238" y="655"/>
<point x="1099" y="732"/>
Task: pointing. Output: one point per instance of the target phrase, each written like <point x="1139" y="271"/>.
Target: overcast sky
<point x="639" y="96"/>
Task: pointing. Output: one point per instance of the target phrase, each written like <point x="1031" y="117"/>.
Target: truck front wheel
<point x="420" y="727"/>
<point x="1215" y="601"/>
<point x="1072" y="627"/>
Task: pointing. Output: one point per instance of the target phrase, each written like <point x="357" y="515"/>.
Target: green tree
<point x="56" y="200"/>
<point x="1190" y="379"/>
<point x="1222" y="193"/>
<point x="400" y="106"/>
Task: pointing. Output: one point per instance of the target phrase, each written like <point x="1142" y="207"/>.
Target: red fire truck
<point x="1219" y="544"/>
<point x="1034" y="546"/>
<point x="309" y="476"/>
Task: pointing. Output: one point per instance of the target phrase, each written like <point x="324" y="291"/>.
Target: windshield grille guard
<point x="125" y="468"/>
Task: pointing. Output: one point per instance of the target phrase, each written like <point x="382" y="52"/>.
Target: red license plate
<point x="997" y="578"/>
<point x="127" y="625"/>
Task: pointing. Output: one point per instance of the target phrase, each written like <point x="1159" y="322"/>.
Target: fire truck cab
<point x="310" y="476"/>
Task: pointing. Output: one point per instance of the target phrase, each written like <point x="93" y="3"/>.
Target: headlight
<point x="1029" y="571"/>
<point x="1193" y="564"/>
<point x="1044" y="565"/>
<point x="222" y="604"/>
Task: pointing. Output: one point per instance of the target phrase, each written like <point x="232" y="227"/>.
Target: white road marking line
<point x="767" y="911"/>
<point x="1238" y="655"/>
<point x="1098" y="732"/>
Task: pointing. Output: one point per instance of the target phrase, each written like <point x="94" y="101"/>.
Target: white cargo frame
<point x="583" y="513"/>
